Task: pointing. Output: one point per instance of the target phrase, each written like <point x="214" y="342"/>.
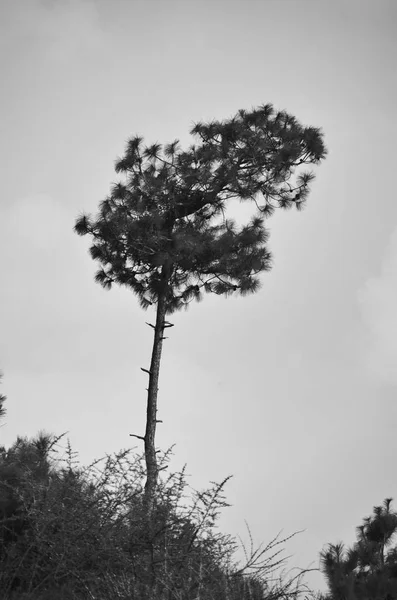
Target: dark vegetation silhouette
<point x="3" y="398"/>
<point x="71" y="533"/>
<point x="164" y="230"/>
<point x="367" y="570"/>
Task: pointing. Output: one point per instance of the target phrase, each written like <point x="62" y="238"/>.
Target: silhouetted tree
<point x="164" y="233"/>
<point x="368" y="570"/>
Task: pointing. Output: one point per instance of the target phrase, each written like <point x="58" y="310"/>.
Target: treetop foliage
<point x="165" y="226"/>
<point x="367" y="570"/>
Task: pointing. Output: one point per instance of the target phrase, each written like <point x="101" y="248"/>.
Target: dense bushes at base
<point x="68" y="532"/>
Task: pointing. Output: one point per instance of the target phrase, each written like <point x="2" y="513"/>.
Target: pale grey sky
<point x="291" y="390"/>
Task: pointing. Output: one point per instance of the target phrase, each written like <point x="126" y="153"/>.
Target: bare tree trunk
<point x="151" y="414"/>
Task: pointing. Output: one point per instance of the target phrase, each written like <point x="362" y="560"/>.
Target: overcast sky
<point x="292" y="390"/>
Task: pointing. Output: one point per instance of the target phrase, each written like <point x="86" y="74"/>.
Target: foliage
<point x="2" y="400"/>
<point x="73" y="532"/>
<point x="166" y="221"/>
<point x="368" y="570"/>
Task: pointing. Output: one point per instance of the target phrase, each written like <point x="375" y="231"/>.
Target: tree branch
<point x="140" y="437"/>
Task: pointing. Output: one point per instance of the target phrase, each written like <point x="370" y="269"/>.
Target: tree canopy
<point x="166" y="222"/>
<point x="367" y="570"/>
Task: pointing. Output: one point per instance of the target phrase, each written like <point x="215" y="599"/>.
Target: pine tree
<point x="368" y="570"/>
<point x="164" y="232"/>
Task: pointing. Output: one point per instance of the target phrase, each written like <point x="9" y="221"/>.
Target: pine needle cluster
<point x="164" y="228"/>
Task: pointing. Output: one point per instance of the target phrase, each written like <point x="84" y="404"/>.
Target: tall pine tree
<point x="164" y="231"/>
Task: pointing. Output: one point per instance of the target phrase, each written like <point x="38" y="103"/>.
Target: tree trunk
<point x="151" y="414"/>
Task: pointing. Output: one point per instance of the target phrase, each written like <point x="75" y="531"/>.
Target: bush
<point x="71" y="532"/>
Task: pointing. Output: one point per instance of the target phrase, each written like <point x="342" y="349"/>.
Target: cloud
<point x="35" y="223"/>
<point x="63" y="29"/>
<point x="50" y="307"/>
<point x="378" y="304"/>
